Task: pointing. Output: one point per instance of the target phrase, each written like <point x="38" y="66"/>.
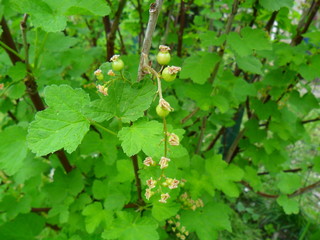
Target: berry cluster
<point x="117" y="65"/>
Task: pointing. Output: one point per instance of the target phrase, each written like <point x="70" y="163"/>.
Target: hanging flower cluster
<point x="176" y="227"/>
<point x="163" y="182"/>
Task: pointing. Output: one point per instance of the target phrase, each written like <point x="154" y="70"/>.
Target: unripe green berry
<point x="162" y="112"/>
<point x="167" y="76"/>
<point x="117" y="65"/>
<point x="163" y="58"/>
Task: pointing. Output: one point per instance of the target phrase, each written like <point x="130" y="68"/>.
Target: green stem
<point x="5" y="46"/>
<point x="165" y="130"/>
<point x="103" y="128"/>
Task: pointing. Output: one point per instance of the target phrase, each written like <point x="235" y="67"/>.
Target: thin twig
<point x="296" y="193"/>
<point x="270" y="23"/>
<point x="141" y="33"/>
<point x="310" y="120"/>
<point x="154" y="12"/>
<point x="203" y="128"/>
<point x="185" y="119"/>
<point x="182" y="15"/>
<point x="287" y="170"/>
<point x="30" y="82"/>
<point x="111" y="35"/>
<point x="234" y="146"/>
<point x="216" y="138"/>
<point x="138" y="181"/>
<point x="223" y="46"/>
<point x="305" y="22"/>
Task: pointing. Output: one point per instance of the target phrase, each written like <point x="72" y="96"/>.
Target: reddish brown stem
<point x="138" y="181"/>
<point x="111" y="35"/>
<point x="181" y="28"/>
<point x="31" y="85"/>
<point x="213" y="142"/>
<point x="305" y="22"/>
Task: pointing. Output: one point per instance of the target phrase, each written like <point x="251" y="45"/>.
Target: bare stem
<point x="165" y="130"/>
<point x="138" y="181"/>
<point x="154" y="11"/>
<point x="203" y="128"/>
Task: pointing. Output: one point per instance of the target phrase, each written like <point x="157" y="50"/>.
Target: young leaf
<point x="199" y="68"/>
<point x="125" y="227"/>
<point x="141" y="135"/>
<point x="290" y="206"/>
<point x="95" y="215"/>
<point x="223" y="175"/>
<point x="13" y="149"/>
<point x="207" y="221"/>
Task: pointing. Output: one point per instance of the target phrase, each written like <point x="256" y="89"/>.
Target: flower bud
<point x="173" y="139"/>
<point x="103" y="90"/>
<point x="165" y="105"/>
<point x="164" y="197"/>
<point x="99" y="75"/>
<point x="149" y="162"/>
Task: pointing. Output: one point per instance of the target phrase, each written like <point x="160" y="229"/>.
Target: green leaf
<point x="250" y="64"/>
<point x="288" y="182"/>
<point x="290" y="206"/>
<point x="223" y="175"/>
<point x="96" y="215"/>
<point x="311" y="70"/>
<point x="124" y="102"/>
<point x="64" y="185"/>
<point x="162" y="211"/>
<point x="42" y="15"/>
<point x="12" y="206"/>
<point x="275" y="5"/>
<point x="199" y="68"/>
<point x="142" y="135"/>
<point x="92" y="7"/>
<point x="125" y="227"/>
<point x="207" y="221"/>
<point x="24" y="227"/>
<point x="13" y="149"/>
<point x="220" y="102"/>
<point x="17" y="72"/>
<point x="63" y="124"/>
<point x="248" y="40"/>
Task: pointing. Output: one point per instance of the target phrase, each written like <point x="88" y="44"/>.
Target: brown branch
<point x="13" y="117"/>
<point x="286" y="171"/>
<point x="141" y="33"/>
<point x="271" y="21"/>
<point x="255" y="13"/>
<point x="227" y="31"/>
<point x="123" y="46"/>
<point x="31" y="85"/>
<point x="234" y="146"/>
<point x="37" y="210"/>
<point x="310" y="120"/>
<point x="190" y="115"/>
<point x="305" y="22"/>
<point x="138" y="181"/>
<point x="6" y="37"/>
<point x="203" y="128"/>
<point x="53" y="227"/>
<point x="296" y="193"/>
<point x="111" y="35"/>
<point x="182" y="15"/>
<point x="154" y="12"/>
<point x="216" y="138"/>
